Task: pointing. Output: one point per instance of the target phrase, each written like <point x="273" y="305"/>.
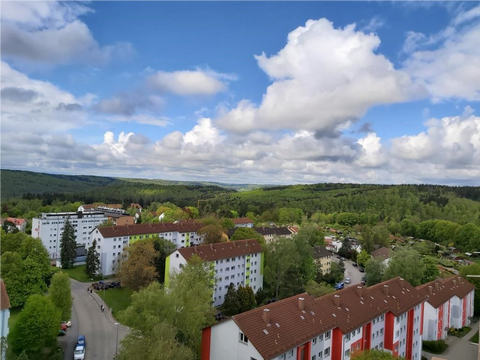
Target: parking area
<point x="351" y="272"/>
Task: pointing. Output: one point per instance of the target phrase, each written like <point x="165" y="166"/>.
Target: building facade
<point x="111" y="240"/>
<point x="322" y="258"/>
<point x="49" y="228"/>
<point x="243" y="222"/>
<point x="239" y="262"/>
<point x="20" y="224"/>
<point x="4" y="311"/>
<point x="271" y="233"/>
<point x="387" y="316"/>
<point x="449" y="305"/>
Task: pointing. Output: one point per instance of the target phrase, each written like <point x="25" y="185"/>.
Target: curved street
<point x="87" y="319"/>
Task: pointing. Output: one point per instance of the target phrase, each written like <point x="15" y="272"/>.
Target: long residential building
<point x="449" y="304"/>
<point x="239" y="262"/>
<point x="387" y="316"/>
<point x="111" y="240"/>
<point x="49" y="228"/>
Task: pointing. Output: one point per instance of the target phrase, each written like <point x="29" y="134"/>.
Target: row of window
<point x="378" y="319"/>
<point x="352" y="334"/>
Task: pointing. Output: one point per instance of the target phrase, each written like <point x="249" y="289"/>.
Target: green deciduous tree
<point x="312" y="234"/>
<point x="163" y="248"/>
<point x="473" y="269"/>
<point x="316" y="290"/>
<point x="363" y="258"/>
<point x="231" y="304"/>
<point x="60" y="294"/>
<point x="138" y="269"/>
<point x="407" y="227"/>
<point x="408" y="264"/>
<point x="186" y="306"/>
<point x="374" y="271"/>
<point x="9" y="227"/>
<point x="335" y="275"/>
<point x="246" y="298"/>
<point x="68" y="246"/>
<point x="431" y="271"/>
<point x="212" y="233"/>
<point x="247" y="233"/>
<point x="92" y="263"/>
<point x="37" y="326"/>
<point x="374" y="355"/>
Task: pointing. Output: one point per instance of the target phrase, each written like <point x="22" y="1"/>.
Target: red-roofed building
<point x="21" y="224"/>
<point x="449" y="304"/>
<point x="386" y="316"/>
<point x="239" y="262"/>
<point x="4" y="310"/>
<point x="243" y="222"/>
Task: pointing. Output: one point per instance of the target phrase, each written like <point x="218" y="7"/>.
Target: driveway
<point x="458" y="348"/>
<point x="87" y="319"/>
<point x="351" y="272"/>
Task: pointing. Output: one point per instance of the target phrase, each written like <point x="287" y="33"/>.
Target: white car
<point x="79" y="353"/>
<point x="347" y="281"/>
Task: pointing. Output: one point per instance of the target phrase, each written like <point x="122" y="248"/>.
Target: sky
<point x="243" y="92"/>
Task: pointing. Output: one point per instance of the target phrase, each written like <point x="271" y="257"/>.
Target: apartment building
<point x="49" y="228"/>
<point x="271" y="233"/>
<point x="387" y="316"/>
<point x="4" y="312"/>
<point x="449" y="304"/>
<point x="322" y="258"/>
<point x="20" y="224"/>
<point x="111" y="240"/>
<point x="243" y="222"/>
<point x="239" y="262"/>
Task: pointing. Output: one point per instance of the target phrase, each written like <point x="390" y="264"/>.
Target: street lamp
<point x="116" y="342"/>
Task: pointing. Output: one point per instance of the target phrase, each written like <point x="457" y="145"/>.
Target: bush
<point x="460" y="332"/>
<point x="435" y="347"/>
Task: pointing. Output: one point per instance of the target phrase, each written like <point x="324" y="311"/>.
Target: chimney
<point x="430" y="289"/>
<point x="385" y="289"/>
<point x="402" y="283"/>
<point x="301" y="303"/>
<point x="359" y="291"/>
<point x="266" y="316"/>
<point x="454" y="282"/>
<point x="436" y="285"/>
<point x="211" y="246"/>
<point x="336" y="300"/>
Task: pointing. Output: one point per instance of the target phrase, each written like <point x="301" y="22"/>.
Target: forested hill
<point x="385" y="202"/>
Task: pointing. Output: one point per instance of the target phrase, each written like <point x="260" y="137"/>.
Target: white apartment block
<point x="49" y="228"/>
<point x="111" y="240"/>
<point x="239" y="262"/>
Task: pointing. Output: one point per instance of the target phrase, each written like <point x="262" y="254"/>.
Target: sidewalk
<point x="458" y="348"/>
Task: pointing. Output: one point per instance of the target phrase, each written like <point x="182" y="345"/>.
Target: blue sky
<point x="182" y="91"/>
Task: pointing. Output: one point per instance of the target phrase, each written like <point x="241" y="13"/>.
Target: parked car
<point x="338" y="257"/>
<point x="355" y="264"/>
<point x="67" y="323"/>
<point x="361" y="269"/>
<point x="61" y="332"/>
<point x="339" y="286"/>
<point x="79" y="353"/>
<point x="81" y="340"/>
<point x="347" y="281"/>
<point x="342" y="258"/>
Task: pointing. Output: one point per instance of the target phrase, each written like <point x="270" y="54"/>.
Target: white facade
<point x="181" y="239"/>
<point x="227" y="342"/>
<point x="49" y="228"/>
<point x="239" y="270"/>
<point x="348" y="340"/>
<point x="4" y="316"/>
<point x="400" y="334"/>
<point x="378" y="333"/>
<point x="417" y="338"/>
<point x="247" y="225"/>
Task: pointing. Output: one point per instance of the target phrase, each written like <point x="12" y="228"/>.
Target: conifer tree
<point x="231" y="303"/>
<point x="93" y="260"/>
<point x="68" y="246"/>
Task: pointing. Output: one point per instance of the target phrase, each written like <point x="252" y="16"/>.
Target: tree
<point x="363" y="258"/>
<point x="316" y="290"/>
<point x="92" y="263"/>
<point x="159" y="344"/>
<point x="407" y="227"/>
<point x="244" y="233"/>
<point x="228" y="223"/>
<point x="138" y="270"/>
<point x="231" y="303"/>
<point x="374" y="270"/>
<point x="60" y="294"/>
<point x="68" y="246"/>
<point x="367" y="239"/>
<point x="37" y="326"/>
<point x="260" y="296"/>
<point x="9" y="227"/>
<point x="163" y="248"/>
<point x="312" y="234"/>
<point x="381" y="235"/>
<point x="212" y="234"/>
<point x="33" y="249"/>
<point x="246" y="298"/>
<point x="138" y="219"/>
<point x="335" y="275"/>
<point x="186" y="306"/>
<point x="12" y="241"/>
<point x="406" y="263"/>
<point x="473" y="269"/>
<point x="374" y="355"/>
<point x="431" y="271"/>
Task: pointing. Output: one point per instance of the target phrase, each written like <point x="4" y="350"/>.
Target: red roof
<point x="222" y="250"/>
<point x="4" y="300"/>
<point x="290" y="326"/>
<point x="242" y="220"/>
<point x="142" y="229"/>
<point x="440" y="291"/>
<point x="16" y="221"/>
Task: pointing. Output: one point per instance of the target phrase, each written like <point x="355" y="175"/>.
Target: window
<point x="347" y="337"/>
<point x="397" y="333"/>
<point x="381" y="331"/>
<point x="326" y="352"/>
<point x="381" y="345"/>
<point x="314" y="357"/>
<point x="177" y="255"/>
<point x="320" y="355"/>
<point x="290" y="353"/>
<point x="373" y="336"/>
<point x="283" y="357"/>
<point x="320" y="338"/>
<point x="327" y="335"/>
<point x="314" y="340"/>
<point x="243" y="338"/>
<point x="347" y="353"/>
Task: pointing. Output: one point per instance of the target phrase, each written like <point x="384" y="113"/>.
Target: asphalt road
<point x="351" y="272"/>
<point x="87" y="319"/>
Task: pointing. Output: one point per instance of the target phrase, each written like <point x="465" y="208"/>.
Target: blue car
<point x="81" y="340"/>
<point x="339" y="286"/>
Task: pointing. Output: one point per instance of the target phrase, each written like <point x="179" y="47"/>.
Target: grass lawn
<point x="14" y="312"/>
<point x="78" y="273"/>
<point x="117" y="299"/>
<point x="459" y="332"/>
<point x="474" y="338"/>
